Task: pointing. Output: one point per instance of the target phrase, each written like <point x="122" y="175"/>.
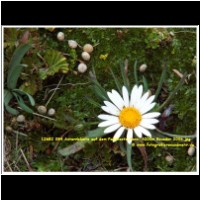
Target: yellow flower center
<point x="130" y="117"/>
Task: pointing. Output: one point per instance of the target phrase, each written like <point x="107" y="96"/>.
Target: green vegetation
<point x="52" y="68"/>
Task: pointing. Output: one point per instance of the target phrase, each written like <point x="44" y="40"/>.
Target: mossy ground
<point x="75" y="115"/>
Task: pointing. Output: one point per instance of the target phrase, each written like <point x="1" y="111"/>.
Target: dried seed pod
<point x="82" y="68"/>
<point x="60" y="36"/>
<point x="191" y="151"/>
<point x="42" y="109"/>
<point x="143" y="68"/>
<point x="20" y="118"/>
<point x="88" y="48"/>
<point x="85" y="56"/>
<point x="72" y="44"/>
<point x="51" y="112"/>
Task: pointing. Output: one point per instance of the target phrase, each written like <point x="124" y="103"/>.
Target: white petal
<point x="144" y="131"/>
<point x="112" y="128"/>
<point x="110" y="111"/>
<point x="150" y="99"/>
<point x="110" y="105"/>
<point x="116" y="99"/>
<point x="133" y="95"/>
<point x="108" y="123"/>
<point x="138" y="95"/>
<point x="148" y="126"/>
<point x="125" y="96"/>
<point x="150" y="115"/>
<point x="107" y="117"/>
<point x="118" y="134"/>
<point x="150" y="121"/>
<point x="147" y="108"/>
<point x="130" y="136"/>
<point x="141" y="102"/>
<point x="138" y="132"/>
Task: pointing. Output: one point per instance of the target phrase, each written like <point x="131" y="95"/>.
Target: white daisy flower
<point x="129" y="113"/>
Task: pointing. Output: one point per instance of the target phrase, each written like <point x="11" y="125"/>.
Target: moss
<point x="154" y="46"/>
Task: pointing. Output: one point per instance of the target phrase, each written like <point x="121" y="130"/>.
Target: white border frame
<point x="99" y="173"/>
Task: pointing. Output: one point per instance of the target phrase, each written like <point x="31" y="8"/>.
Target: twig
<point x="185" y="32"/>
<point x="54" y="91"/>
<point x="57" y="143"/>
<point x="19" y="133"/>
<point x="38" y="54"/>
<point x="40" y="116"/>
<point x="9" y="166"/>
<point x="119" y="169"/>
<point x="181" y="82"/>
<point x="44" y="116"/>
<point x="71" y="84"/>
<point x="26" y="161"/>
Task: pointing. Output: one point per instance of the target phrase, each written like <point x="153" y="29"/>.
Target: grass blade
<point x="162" y="78"/>
<point x="167" y="101"/>
<point x="175" y="135"/>
<point x="146" y="87"/>
<point x="124" y="77"/>
<point x="117" y="83"/>
<point x="135" y="72"/>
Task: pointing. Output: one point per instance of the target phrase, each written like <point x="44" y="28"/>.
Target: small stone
<point x="72" y="44"/>
<point x="82" y="68"/>
<point x="191" y="151"/>
<point x="88" y="48"/>
<point x="60" y="36"/>
<point x="143" y="68"/>
<point x="85" y="56"/>
<point x="42" y="109"/>
<point x="9" y="129"/>
<point x="51" y="112"/>
<point x="169" y="159"/>
<point x="20" y="118"/>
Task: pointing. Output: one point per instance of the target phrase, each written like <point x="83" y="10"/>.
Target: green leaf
<point x="128" y="155"/>
<point x="56" y="63"/>
<point x="94" y="103"/>
<point x="31" y="100"/>
<point x="7" y="97"/>
<point x="22" y="104"/>
<point x="99" y="92"/>
<point x="74" y="148"/>
<point x="15" y="67"/>
<point x="99" y="132"/>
